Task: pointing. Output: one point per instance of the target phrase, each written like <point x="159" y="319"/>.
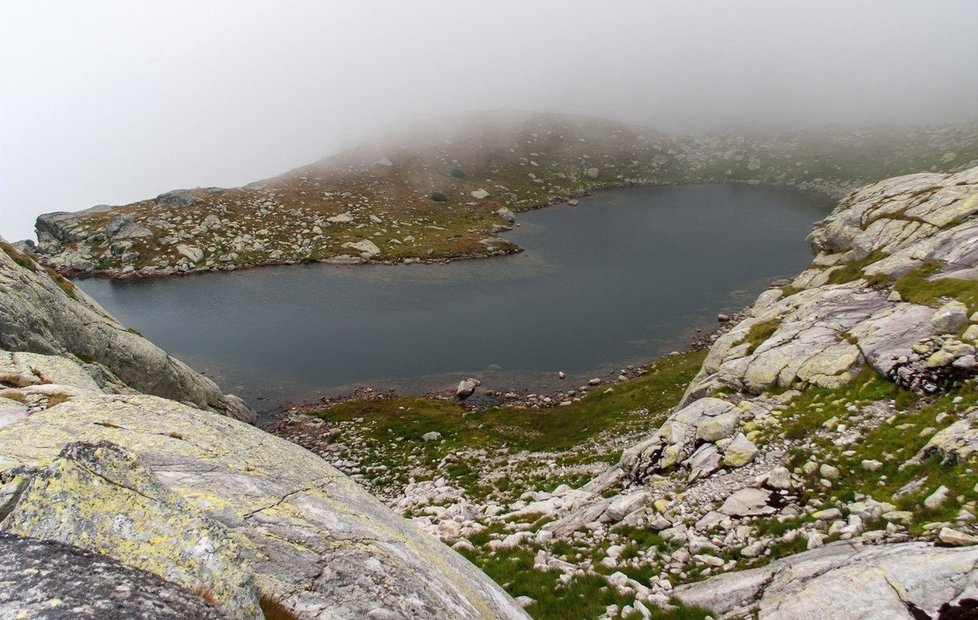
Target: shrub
<point x="439" y="197"/>
<point x="275" y="610"/>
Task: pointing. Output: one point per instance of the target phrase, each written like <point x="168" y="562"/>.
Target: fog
<point x="111" y="102"/>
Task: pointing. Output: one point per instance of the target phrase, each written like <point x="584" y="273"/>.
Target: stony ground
<point x="445" y="191"/>
<point x="835" y="465"/>
<point x="473" y="476"/>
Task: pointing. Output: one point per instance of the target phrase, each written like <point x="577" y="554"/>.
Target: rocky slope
<point x="445" y="191"/>
<point x="205" y="514"/>
<point x="42" y="312"/>
<point x="823" y="462"/>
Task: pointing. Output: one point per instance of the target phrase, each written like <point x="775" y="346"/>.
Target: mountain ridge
<point x="446" y="191"/>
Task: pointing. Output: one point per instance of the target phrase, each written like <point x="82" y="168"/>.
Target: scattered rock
<point x="954" y="538"/>
<point x="747" y="502"/>
<point x="936" y="499"/>
<point x="466" y="388"/>
<point x="950" y="318"/>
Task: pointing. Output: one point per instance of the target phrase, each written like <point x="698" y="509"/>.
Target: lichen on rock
<point x="198" y="495"/>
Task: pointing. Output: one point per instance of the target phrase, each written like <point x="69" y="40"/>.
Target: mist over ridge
<point x="109" y="103"/>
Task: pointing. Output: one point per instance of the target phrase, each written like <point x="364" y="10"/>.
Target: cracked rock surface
<point x="198" y="497"/>
<point x="844" y="580"/>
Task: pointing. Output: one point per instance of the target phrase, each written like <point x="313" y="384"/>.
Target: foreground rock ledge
<point x="199" y="498"/>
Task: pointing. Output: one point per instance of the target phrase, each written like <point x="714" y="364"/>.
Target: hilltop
<point x="445" y="190"/>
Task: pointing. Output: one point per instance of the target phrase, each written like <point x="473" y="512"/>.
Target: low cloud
<point x="110" y="102"/>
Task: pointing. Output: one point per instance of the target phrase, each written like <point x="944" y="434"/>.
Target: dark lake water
<point x="623" y="277"/>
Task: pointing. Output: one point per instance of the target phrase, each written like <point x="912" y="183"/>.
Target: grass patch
<point x="850" y="272"/>
<point x="554" y="429"/>
<point x="582" y="597"/>
<point x="916" y="288"/>
<point x="894" y="443"/>
<point x="273" y="609"/>
<point x="57" y="399"/>
<point x="816" y="405"/>
<point x="66" y="286"/>
<point x="17" y="256"/>
<point x="759" y="332"/>
<point x="388" y="433"/>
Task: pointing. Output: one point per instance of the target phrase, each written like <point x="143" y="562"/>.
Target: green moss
<point x="849" y="272"/>
<point x="760" y="332"/>
<point x="916" y="288"/>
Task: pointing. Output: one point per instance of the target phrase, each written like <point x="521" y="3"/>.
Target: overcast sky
<point x="111" y="102"/>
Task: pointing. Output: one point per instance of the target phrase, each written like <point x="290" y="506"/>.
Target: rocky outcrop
<point x="46" y="579"/>
<point x="843" y="580"/>
<point x="203" y="500"/>
<point x="105" y="499"/>
<point x="957" y="443"/>
<point x="908" y="220"/>
<point x="41" y="312"/>
<point x="844" y="316"/>
<point x="823" y="334"/>
<point x="748" y="451"/>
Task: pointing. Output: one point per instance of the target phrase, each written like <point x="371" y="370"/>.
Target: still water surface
<point x="625" y="276"/>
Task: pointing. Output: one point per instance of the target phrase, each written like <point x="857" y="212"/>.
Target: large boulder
<point x="845" y="580"/>
<point x="41" y="312"/>
<point x="103" y="498"/>
<point x="198" y="496"/>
